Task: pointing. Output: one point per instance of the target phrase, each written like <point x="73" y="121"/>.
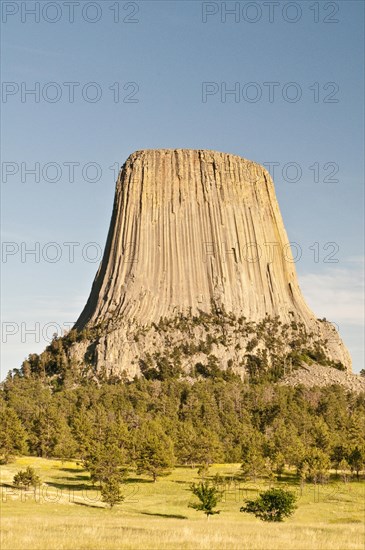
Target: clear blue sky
<point x="167" y="53"/>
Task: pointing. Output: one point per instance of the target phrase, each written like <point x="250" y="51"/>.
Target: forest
<point x="154" y="425"/>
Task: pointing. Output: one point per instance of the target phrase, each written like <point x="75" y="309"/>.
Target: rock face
<point x="192" y="231"/>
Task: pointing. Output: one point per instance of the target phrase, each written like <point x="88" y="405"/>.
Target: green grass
<point x="157" y="516"/>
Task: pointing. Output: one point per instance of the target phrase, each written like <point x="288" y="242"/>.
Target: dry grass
<point x="156" y="516"/>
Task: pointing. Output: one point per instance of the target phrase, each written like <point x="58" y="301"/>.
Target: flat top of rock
<point x="145" y="152"/>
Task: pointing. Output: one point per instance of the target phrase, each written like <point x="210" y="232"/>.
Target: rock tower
<point x="193" y="232"/>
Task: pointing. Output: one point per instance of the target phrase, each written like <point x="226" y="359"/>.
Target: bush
<point x="272" y="505"/>
<point x="26" y="478"/>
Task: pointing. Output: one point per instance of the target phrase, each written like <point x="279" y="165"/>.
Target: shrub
<point x="272" y="505"/>
<point x="26" y="478"/>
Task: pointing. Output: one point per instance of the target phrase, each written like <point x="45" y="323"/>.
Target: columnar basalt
<point x="192" y="232"/>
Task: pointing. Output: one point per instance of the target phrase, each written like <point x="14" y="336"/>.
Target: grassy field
<point x="66" y="513"/>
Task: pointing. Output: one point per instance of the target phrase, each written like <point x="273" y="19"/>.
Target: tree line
<point x="153" y="425"/>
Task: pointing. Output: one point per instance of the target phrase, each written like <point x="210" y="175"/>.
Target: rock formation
<point x="194" y="233"/>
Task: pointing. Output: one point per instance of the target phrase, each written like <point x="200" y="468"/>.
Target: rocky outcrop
<point x="320" y="376"/>
<point x="193" y="231"/>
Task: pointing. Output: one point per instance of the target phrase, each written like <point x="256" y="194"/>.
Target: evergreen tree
<point x="254" y="464"/>
<point x="111" y="492"/>
<point x="155" y="454"/>
<point x="65" y="445"/>
<point x="206" y="421"/>
<point x="338" y="454"/>
<point x="105" y="462"/>
<point x="26" y="478"/>
<point x="344" y="467"/>
<point x="12" y="434"/>
<point x="45" y="428"/>
<point x="208" y="495"/>
<point x="356" y="460"/>
<point x="186" y="444"/>
<point x="316" y="464"/>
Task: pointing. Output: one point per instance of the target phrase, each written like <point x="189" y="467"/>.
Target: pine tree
<point x="208" y="495"/>
<point x="105" y="462"/>
<point x="344" y="467"/>
<point x="317" y="464"/>
<point x="26" y="478"/>
<point x="356" y="460"/>
<point x="12" y="434"/>
<point x="155" y="450"/>
<point x="111" y="492"/>
<point x="254" y="464"/>
<point x="65" y="445"/>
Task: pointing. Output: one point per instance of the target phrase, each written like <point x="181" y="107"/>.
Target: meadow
<point x="65" y="512"/>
